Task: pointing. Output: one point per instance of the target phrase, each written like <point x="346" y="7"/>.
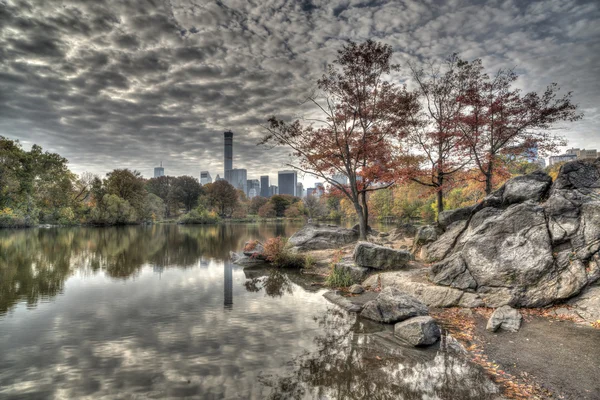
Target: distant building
<point x="159" y="171"/>
<point x="319" y="189"/>
<point x="205" y="177"/>
<point x="218" y="178"/>
<point x="310" y="192"/>
<point x="228" y="152"/>
<point x="299" y="189"/>
<point x="273" y="190"/>
<point x="562" y="158"/>
<point x="252" y="193"/>
<point x="237" y="178"/>
<point x="264" y="186"/>
<point x="583" y="154"/>
<point x="342" y="179"/>
<point x="287" y="181"/>
<point x="253" y="185"/>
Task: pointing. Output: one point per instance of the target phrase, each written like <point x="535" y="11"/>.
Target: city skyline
<point x="109" y="84"/>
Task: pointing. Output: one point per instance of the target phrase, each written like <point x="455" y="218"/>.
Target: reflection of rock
<point x="379" y="257"/>
<point x="392" y="306"/>
<point x="353" y="362"/>
<point x="418" y="331"/>
<point x="505" y="318"/>
<point x="514" y="249"/>
<point x="319" y="237"/>
<point x="415" y="283"/>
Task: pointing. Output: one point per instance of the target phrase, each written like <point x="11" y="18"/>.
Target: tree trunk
<point x="488" y="178"/>
<point x="361" y="221"/>
<point x="440" y="202"/>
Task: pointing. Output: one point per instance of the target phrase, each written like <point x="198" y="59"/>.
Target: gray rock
<point x="341" y="301"/>
<point x="357" y="273"/>
<point x="527" y="187"/>
<point x="414" y="282"/>
<point x="379" y="257"/>
<point x="418" y="331"/>
<point x="587" y="305"/>
<point x="393" y="306"/>
<point x="320" y="237"/>
<point x="254" y="250"/>
<point x="243" y="260"/>
<point x="448" y="217"/>
<point x="505" y="318"/>
<point x="425" y="234"/>
<point x="521" y="252"/>
<point x="356" y="289"/>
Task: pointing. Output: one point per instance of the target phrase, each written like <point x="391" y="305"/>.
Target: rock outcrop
<point x="529" y="244"/>
<point x="392" y="305"/>
<point x="321" y="237"/>
<point x="505" y="318"/>
<point x="418" y="331"/>
<point x="369" y="255"/>
<point x="348" y="267"/>
<point x="415" y="283"/>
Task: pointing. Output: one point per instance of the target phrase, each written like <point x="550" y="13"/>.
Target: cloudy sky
<point x="114" y="84"/>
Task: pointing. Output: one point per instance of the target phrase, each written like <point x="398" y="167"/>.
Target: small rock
<point x="505" y="318"/>
<point x="392" y="305"/>
<point x="356" y="289"/>
<point x="418" y="331"/>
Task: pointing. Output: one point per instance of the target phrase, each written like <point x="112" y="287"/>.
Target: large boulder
<point x="349" y="268"/>
<point x="321" y="237"/>
<point x="505" y="318"/>
<point x="529" y="244"/>
<point x="449" y="217"/>
<point x="392" y="305"/>
<point x="418" y="331"/>
<point x="371" y="255"/>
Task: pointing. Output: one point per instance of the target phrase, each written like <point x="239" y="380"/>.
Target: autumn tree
<point x="186" y="190"/>
<point x="222" y="196"/>
<point x="498" y="120"/>
<point x="435" y="135"/>
<point x="128" y="185"/>
<point x="361" y="117"/>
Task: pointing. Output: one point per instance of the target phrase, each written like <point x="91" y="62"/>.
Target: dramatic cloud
<point x="112" y="84"/>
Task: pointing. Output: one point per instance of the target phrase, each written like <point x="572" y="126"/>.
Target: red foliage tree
<point x="435" y="135"/>
<point x="363" y="116"/>
<point x="498" y="120"/>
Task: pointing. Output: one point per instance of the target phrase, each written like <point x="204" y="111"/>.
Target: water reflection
<point x="35" y="263"/>
<point x="138" y="312"/>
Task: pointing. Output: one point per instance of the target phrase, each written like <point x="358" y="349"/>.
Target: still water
<point x="159" y="312"/>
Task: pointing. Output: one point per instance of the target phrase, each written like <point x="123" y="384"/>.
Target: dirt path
<point x="561" y="356"/>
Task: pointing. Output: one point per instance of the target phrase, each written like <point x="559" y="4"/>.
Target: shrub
<point x="267" y="211"/>
<point x="10" y="218"/>
<point x="279" y="255"/>
<point x="199" y="215"/>
<point x="309" y="261"/>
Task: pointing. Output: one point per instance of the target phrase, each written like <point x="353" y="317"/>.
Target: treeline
<point x="37" y="187"/>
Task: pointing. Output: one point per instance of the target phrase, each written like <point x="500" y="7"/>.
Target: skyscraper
<point x="159" y="171"/>
<point x="228" y="151"/>
<point x="287" y="182"/>
<point x="340" y="178"/>
<point x="237" y="178"/>
<point x="299" y="189"/>
<point x="205" y="177"/>
<point x="253" y="185"/>
<point x="264" y="186"/>
<point x="273" y="190"/>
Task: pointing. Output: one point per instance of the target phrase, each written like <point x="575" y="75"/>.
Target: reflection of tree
<point x="351" y="363"/>
<point x="275" y="283"/>
<point x="34" y="263"/>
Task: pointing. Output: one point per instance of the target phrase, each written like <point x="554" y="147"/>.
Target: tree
<point x="186" y="190"/>
<point x="435" y="134"/>
<point x="256" y="203"/>
<point x="128" y="185"/>
<point x="498" y="120"/>
<point x="363" y="116"/>
<point x="313" y="207"/>
<point x="223" y="196"/>
<point x="267" y="211"/>
<point x="280" y="204"/>
<point x="162" y="187"/>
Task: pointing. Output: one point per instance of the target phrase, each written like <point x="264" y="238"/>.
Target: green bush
<point x="278" y="254"/>
<point x="199" y="215"/>
<point x="10" y="218"/>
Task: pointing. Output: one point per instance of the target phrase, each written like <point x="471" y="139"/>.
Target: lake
<point x="159" y="312"/>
